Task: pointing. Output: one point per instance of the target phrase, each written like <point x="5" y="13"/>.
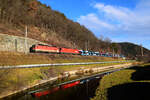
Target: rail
<point x="56" y="64"/>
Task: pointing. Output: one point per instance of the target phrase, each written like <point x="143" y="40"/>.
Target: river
<point x="83" y="91"/>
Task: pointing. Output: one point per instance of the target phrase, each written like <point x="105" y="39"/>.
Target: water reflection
<point x="80" y="92"/>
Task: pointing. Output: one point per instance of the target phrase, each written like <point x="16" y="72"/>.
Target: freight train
<point x="57" y="50"/>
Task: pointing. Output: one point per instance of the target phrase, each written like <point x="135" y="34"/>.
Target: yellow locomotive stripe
<point x="47" y="50"/>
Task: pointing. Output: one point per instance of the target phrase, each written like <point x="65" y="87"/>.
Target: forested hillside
<point x="50" y="26"/>
<point x="134" y="51"/>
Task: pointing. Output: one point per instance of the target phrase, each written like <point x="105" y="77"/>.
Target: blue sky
<point x="119" y="20"/>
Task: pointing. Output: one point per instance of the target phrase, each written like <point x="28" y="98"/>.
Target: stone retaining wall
<point x="16" y="43"/>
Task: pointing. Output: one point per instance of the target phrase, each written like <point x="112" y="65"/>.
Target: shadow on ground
<point x="133" y="91"/>
<point x="130" y="91"/>
<point x="142" y="73"/>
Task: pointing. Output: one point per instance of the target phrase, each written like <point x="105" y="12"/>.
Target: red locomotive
<point x="52" y="49"/>
<point x="69" y="51"/>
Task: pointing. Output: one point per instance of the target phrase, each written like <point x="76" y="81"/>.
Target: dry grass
<point x="13" y="58"/>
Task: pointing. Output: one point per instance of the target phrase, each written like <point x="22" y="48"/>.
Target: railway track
<point x="56" y="64"/>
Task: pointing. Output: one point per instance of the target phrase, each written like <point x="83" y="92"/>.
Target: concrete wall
<point x="16" y="43"/>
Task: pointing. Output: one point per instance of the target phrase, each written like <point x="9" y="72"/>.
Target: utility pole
<point x="141" y="50"/>
<point x="26" y="34"/>
<point x="113" y="52"/>
<point x="86" y="45"/>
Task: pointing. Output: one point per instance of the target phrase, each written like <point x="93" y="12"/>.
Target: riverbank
<point x="92" y="69"/>
<point x="129" y="84"/>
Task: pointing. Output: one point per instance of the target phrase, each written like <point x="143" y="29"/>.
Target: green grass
<point x="129" y="84"/>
